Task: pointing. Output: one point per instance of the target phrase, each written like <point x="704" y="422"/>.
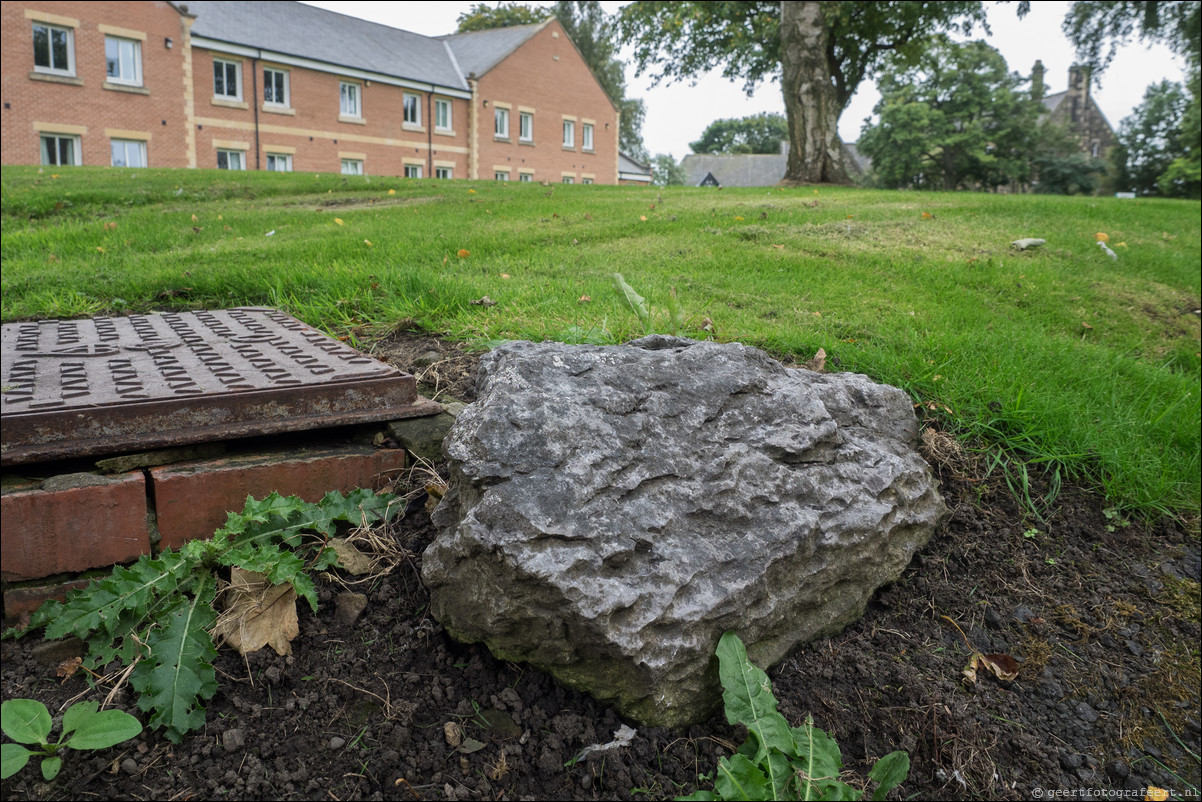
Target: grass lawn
<point x="1057" y="359"/>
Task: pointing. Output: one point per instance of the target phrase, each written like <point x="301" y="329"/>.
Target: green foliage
<point x="1091" y="25"/>
<point x="27" y="721"/>
<point x="483" y="17"/>
<point x="778" y="761"/>
<point x="158" y="613"/>
<point x="666" y="172"/>
<point x="955" y="119"/>
<point x="759" y="133"/>
<point x="1151" y="139"/>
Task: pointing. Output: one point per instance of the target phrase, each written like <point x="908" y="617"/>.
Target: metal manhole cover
<point x="85" y="387"/>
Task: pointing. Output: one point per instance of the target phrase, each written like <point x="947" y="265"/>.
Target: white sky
<point x="678" y="113"/>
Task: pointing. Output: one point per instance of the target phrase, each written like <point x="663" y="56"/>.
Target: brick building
<point x="285" y="86"/>
<point x="1075" y="109"/>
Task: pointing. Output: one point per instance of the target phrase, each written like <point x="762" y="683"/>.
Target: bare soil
<point x="1101" y="613"/>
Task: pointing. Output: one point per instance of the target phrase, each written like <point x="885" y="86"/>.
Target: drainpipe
<point x="254" y="80"/>
<point x="430" y="133"/>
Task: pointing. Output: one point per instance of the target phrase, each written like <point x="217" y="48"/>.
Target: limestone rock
<point x="613" y="510"/>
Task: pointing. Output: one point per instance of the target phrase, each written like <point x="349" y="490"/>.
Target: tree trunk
<point x="811" y="102"/>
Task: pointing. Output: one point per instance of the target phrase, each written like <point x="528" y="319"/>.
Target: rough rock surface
<point x="613" y="510"/>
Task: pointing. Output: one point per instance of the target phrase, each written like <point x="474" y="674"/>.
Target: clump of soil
<point x="1101" y="613"/>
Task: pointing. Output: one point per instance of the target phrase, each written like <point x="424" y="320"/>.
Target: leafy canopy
<point x="482" y="16"/>
<point x="1097" y="28"/>
<point x="1152" y="139"/>
<point x="759" y="133"/>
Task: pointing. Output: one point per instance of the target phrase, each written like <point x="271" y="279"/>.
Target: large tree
<point x="1150" y="139"/>
<point x="592" y="32"/>
<point x="1098" y="27"/>
<point x="820" y="51"/>
<point x="956" y="119"/>
<point x="759" y="133"/>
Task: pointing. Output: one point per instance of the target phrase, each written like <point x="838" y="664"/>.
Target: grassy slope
<point x="1058" y="353"/>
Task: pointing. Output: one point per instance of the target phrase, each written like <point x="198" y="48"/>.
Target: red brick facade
<point x="168" y="111"/>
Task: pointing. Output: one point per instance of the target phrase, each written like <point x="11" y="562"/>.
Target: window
<point x="128" y="153"/>
<point x="53" y="49"/>
<point x="352" y="167"/>
<point x="413" y="171"/>
<point x="567" y="179"/>
<point x="587" y="133"/>
<point x="275" y="88"/>
<point x="349" y="94"/>
<point x="569" y="134"/>
<point x="501" y="175"/>
<point x="60" y="151"/>
<point x="442" y="172"/>
<point x="227" y="79"/>
<point x="279" y="162"/>
<point x="586" y="181"/>
<point x="231" y="159"/>
<point x="526" y="122"/>
<point x="501" y="123"/>
<point x="123" y="60"/>
<point x="527" y="177"/>
<point x="413" y="109"/>
<point x="442" y="115"/>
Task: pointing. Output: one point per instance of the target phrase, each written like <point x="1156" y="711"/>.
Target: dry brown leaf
<point x="584" y="299"/>
<point x="452" y="733"/>
<point x="1003" y="666"/>
<point x="257" y="614"/>
<point x="67" y="668"/>
<point x="350" y="559"/>
<point x="818" y="363"/>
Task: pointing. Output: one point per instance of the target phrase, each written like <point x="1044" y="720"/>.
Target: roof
<point x="631" y="170"/>
<point x="735" y="170"/>
<point x="1052" y="102"/>
<point x="295" y="29"/>
<point x="479" y="51"/>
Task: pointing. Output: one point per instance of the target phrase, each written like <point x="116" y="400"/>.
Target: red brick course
<point x="193" y="499"/>
<point x="58" y="529"/>
<point x="20" y="603"/>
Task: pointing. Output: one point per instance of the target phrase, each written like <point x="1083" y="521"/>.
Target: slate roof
<point x="298" y="30"/>
<point x="742" y="170"/>
<point x="479" y="51"/>
<point x="632" y="170"/>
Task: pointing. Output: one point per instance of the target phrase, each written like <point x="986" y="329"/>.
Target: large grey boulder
<point x="613" y="510"/>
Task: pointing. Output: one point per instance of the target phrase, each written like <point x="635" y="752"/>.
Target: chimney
<point x="1037" y="86"/>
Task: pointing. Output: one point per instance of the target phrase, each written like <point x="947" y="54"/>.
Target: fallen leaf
<point x="452" y="733"/>
<point x="109" y="226"/>
<point x="257" y="614"/>
<point x="338" y="220"/>
<point x="738" y="218"/>
<point x="350" y="559"/>
<point x="470" y="745"/>
<point x="818" y="362"/>
<point x="219" y="217"/>
<point x="195" y="219"/>
<point x="1102" y="236"/>
<point x="1120" y="245"/>
<point x="778" y="246"/>
<point x="1085" y="325"/>
<point x="506" y="275"/>
<point x="392" y="192"/>
<point x="485" y="301"/>
<point x="471" y="192"/>
<point x="1003" y="666"/>
<point x="99" y="249"/>
<point x="67" y="668"/>
<point x="584" y="299"/>
<point x="463" y="253"/>
<point x="643" y="217"/>
<point x="928" y="216"/>
<point x="367" y="242"/>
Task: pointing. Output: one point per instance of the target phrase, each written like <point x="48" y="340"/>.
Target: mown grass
<point x="1060" y="359"/>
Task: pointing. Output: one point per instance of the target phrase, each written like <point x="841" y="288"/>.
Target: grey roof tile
<point x="299" y="30"/>
<point x="479" y="51"/>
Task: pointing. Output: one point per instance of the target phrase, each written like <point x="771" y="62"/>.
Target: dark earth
<point x="1101" y="613"/>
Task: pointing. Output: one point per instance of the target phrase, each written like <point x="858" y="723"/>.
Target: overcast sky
<point x="678" y="113"/>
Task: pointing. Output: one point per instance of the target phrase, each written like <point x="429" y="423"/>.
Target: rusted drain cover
<point x="85" y="387"/>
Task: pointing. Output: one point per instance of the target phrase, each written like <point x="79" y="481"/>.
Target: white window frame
<point x="413" y="171"/>
<point x="442" y="114"/>
<point x="586" y="181"/>
<point x="225" y="64"/>
<point x="411" y="102"/>
<point x="568" y="179"/>
<point x="52" y="68"/>
<point x="569" y="133"/>
<point x="123" y="146"/>
<point x="586" y="136"/>
<point x="443" y="172"/>
<point x="500" y="175"/>
<point x="76" y="149"/>
<point x="350" y="104"/>
<point x="279" y="162"/>
<point x="526" y="177"/>
<point x="352" y="167"/>
<point x="525" y="126"/>
<point x="500" y="126"/>
<point x="286" y="83"/>
<point x="135" y="50"/>
<point x="228" y="153"/>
